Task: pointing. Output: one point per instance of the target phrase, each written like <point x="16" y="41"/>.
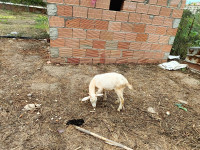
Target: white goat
<point x="107" y="81"/>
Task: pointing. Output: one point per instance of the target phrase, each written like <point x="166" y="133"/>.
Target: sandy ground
<point x="24" y="70"/>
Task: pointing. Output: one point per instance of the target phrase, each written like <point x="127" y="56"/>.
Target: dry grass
<point x="23" y="63"/>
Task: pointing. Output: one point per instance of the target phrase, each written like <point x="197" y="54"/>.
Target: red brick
<point x="55" y="1"/>
<point x="165" y="11"/>
<point x="60" y="42"/>
<point x="119" y="36"/>
<point x="156" y="47"/>
<point x="132" y="60"/>
<point x="65" y="52"/>
<point x="87" y="24"/>
<point x="110" y="60"/>
<point x="106" y="35"/>
<point x="115" y="26"/>
<point x="123" y="45"/>
<point x="109" y="15"/>
<point x="148" y="54"/>
<point x="162" y="2"/>
<point x="85" y="44"/>
<point x="164" y="39"/>
<point x="168" y="22"/>
<point x="159" y="55"/>
<point x="153" y="1"/>
<point x="98" y="60"/>
<point x="127" y="54"/>
<point x="183" y="4"/>
<point x="122" y="16"/>
<point x="80" y="11"/>
<point x="74" y="23"/>
<point x="134" y="17"/>
<point x="171" y="31"/>
<point x="92" y="53"/>
<point x="104" y="53"/>
<point x="131" y="36"/>
<point x="129" y="6"/>
<point x="146" y="19"/>
<point x="93" y="34"/>
<point x="141" y="37"/>
<point x="138" y="54"/>
<point x="138" y="0"/>
<point x="55" y="21"/>
<point x="115" y="53"/>
<point x="73" y="60"/>
<point x="139" y="28"/>
<point x="166" y="48"/>
<point x="127" y="27"/>
<point x="158" y="20"/>
<point x="161" y="30"/>
<point x="153" y="38"/>
<point x="154" y="10"/>
<point x="101" y="25"/>
<point x="145" y="46"/>
<point x="175" y="3"/>
<point x="64" y="10"/>
<point x="79" y="33"/>
<point x="99" y="44"/>
<point x="95" y="13"/>
<point x="64" y="32"/>
<point x="86" y="3"/>
<point x="150" y="29"/>
<point x="103" y="4"/>
<point x="72" y="2"/>
<point x="86" y="60"/>
<point x="135" y="46"/>
<point x="79" y="52"/>
<point x="122" y="60"/>
<point x="60" y="60"/>
<point x="177" y="13"/>
<point x="72" y="43"/>
<point x="142" y="8"/>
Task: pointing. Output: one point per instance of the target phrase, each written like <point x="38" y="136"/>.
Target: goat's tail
<point x="129" y="86"/>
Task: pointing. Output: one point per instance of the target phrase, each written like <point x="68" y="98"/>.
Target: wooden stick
<point x="103" y="138"/>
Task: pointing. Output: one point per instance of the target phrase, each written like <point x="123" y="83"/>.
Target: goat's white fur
<point x="107" y="81"/>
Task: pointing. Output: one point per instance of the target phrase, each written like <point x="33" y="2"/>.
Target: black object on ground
<point x="77" y="122"/>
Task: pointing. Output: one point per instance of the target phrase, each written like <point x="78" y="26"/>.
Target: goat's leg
<point x="105" y="95"/>
<point x="120" y="96"/>
<point x="99" y="91"/>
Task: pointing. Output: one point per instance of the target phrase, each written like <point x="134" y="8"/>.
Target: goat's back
<point x="110" y="81"/>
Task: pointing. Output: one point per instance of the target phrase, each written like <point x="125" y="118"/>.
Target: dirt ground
<point x="25" y="78"/>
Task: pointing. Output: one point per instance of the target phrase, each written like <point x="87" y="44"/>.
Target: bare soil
<point x="24" y="70"/>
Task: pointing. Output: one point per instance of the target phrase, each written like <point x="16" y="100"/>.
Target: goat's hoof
<point x="118" y="109"/>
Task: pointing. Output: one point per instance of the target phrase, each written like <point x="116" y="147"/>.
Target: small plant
<point x="41" y="22"/>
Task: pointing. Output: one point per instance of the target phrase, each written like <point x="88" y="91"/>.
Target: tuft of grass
<point x="41" y="22"/>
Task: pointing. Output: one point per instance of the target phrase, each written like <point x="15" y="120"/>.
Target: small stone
<point x="168" y="113"/>
<point x="151" y="110"/>
<point x="29" y="95"/>
<point x="183" y="102"/>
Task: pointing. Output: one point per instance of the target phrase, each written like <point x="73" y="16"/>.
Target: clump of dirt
<point x="26" y="78"/>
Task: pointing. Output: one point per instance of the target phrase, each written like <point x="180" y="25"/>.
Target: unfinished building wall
<point x="143" y="31"/>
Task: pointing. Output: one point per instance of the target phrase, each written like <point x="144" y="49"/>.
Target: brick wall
<point x="142" y="32"/>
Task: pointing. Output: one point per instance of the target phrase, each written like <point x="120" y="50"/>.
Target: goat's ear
<point x="99" y="94"/>
<point x="85" y="98"/>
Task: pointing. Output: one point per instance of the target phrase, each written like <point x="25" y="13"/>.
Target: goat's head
<point x="93" y="99"/>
